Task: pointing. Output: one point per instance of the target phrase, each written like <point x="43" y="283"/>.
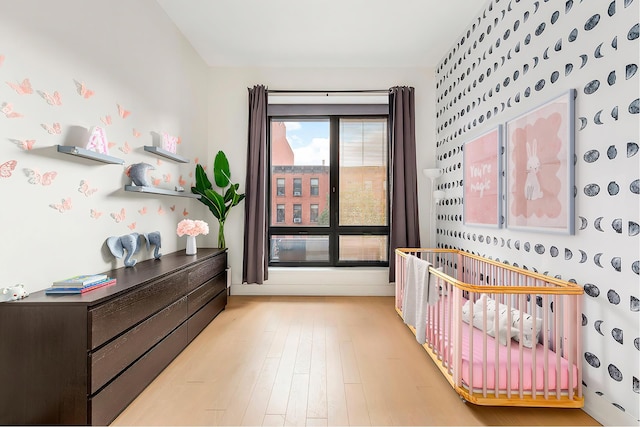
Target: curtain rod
<point x="328" y="91"/>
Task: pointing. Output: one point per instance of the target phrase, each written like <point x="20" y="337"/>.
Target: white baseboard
<point x="604" y="412"/>
<point x="314" y="290"/>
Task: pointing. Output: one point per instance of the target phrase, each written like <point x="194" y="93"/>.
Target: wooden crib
<point x="534" y="356"/>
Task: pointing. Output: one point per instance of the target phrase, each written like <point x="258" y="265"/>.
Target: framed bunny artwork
<point x="482" y="171"/>
<point x="539" y="167"/>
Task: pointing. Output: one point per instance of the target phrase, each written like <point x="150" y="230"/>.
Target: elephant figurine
<point x="154" y="238"/>
<point x="129" y="243"/>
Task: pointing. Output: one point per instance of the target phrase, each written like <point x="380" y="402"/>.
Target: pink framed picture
<point x="482" y="183"/>
<point x="539" y="171"/>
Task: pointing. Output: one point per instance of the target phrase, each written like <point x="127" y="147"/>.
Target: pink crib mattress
<point x="501" y="364"/>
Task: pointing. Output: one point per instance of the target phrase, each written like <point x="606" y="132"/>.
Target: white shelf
<point x="88" y="154"/>
<point x="164" y="153"/>
<point x="163" y="191"/>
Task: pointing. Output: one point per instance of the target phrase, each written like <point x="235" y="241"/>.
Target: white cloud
<point x="313" y="154"/>
<point x="292" y="126"/>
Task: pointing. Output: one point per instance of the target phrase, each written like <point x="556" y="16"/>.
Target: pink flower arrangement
<point x="192" y="227"/>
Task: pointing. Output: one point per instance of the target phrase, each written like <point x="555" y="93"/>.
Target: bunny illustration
<point x="532" y="189"/>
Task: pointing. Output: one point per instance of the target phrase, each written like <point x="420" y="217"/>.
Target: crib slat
<point x="578" y="335"/>
<point x="558" y="348"/>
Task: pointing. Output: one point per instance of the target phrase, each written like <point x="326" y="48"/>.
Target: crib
<point x="501" y="335"/>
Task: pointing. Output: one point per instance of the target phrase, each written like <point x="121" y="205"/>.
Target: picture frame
<point x="540" y="167"/>
<point x="482" y="171"/>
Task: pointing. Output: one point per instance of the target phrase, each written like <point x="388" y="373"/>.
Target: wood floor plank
<point x="282" y="385"/>
<point x="350" y="372"/>
<point x="356" y="405"/>
<point x="257" y="405"/>
<point x="337" y="414"/>
<point x="297" y="405"/>
<point x="317" y="403"/>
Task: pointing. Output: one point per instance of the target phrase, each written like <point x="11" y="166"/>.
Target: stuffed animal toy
<point x="13" y="293"/>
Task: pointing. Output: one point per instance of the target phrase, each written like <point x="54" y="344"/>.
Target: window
<point x="297" y="214"/>
<point x="313" y="213"/>
<point x="297" y="187"/>
<point x="280" y="216"/>
<point x="314" y="186"/>
<point x="343" y="160"/>
<point x="280" y="187"/>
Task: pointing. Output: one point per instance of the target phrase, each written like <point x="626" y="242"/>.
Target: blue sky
<point x="309" y="141"/>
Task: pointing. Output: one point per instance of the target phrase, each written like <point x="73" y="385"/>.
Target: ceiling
<point x="322" y="33"/>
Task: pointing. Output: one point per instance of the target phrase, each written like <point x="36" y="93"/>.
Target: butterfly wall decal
<point x="181" y="181"/>
<point x="132" y="226"/>
<point x="85" y="188"/>
<point x="106" y="120"/>
<point x="2" y="58"/>
<point x="155" y="181"/>
<point x="173" y="208"/>
<point x="82" y="90"/>
<point x="126" y="148"/>
<point x="122" y="112"/>
<point x="119" y="216"/>
<point x="62" y="207"/>
<point x="136" y="133"/>
<point x="7" y="109"/>
<point x="26" y="145"/>
<point x="7" y="167"/>
<point x="54" y="129"/>
<point x="166" y="177"/>
<point x="35" y="177"/>
<point x="143" y="211"/>
<point x="160" y="210"/>
<point x="55" y="99"/>
<point x="95" y="214"/>
<point x="185" y="213"/>
<point x="22" y="88"/>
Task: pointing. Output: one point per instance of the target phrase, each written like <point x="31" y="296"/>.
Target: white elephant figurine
<point x="129" y="243"/>
<point x="154" y="238"/>
<point x="13" y="293"/>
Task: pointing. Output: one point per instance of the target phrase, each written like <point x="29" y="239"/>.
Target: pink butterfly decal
<point x="106" y="120"/>
<point x="185" y="213"/>
<point x="26" y="145"/>
<point x="62" y="207"/>
<point x="95" y="214"/>
<point x="156" y="181"/>
<point x="196" y="161"/>
<point x="166" y="177"/>
<point x="84" y="188"/>
<point x="173" y="208"/>
<point x="111" y="144"/>
<point x="143" y="211"/>
<point x="1" y="60"/>
<point x="7" y="167"/>
<point x="122" y="112"/>
<point x="158" y="162"/>
<point x="82" y="90"/>
<point x="181" y="181"/>
<point x="190" y="174"/>
<point x="179" y="140"/>
<point x="136" y="133"/>
<point x="119" y="216"/>
<point x="160" y="210"/>
<point x="132" y="226"/>
<point x="23" y="88"/>
<point x="54" y="129"/>
<point x="36" y="178"/>
<point x="54" y="99"/>
<point x="7" y="109"/>
<point x="126" y="149"/>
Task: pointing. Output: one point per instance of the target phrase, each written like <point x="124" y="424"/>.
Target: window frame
<point x="334" y="230"/>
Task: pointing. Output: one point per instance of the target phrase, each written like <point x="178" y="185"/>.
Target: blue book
<point x="79" y="281"/>
<point x="79" y="290"/>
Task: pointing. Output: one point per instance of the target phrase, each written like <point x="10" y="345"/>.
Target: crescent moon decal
<point x="596" y="223"/>
<point x="597" y="52"/>
<point x="535" y="61"/>
<point x="597" y="324"/>
<point x="583" y="122"/>
<point x="596" y="118"/>
<point x="502" y="242"/>
<point x="596" y="259"/>
<point x="583" y="258"/>
<point x="509" y="243"/>
<point x="537" y="5"/>
<point x="584" y="60"/>
<point x="545" y="55"/>
<point x="583" y="223"/>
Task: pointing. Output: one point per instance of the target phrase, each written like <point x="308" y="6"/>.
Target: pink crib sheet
<point x="528" y="370"/>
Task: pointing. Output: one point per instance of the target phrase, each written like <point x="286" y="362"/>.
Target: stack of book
<point x="80" y="284"/>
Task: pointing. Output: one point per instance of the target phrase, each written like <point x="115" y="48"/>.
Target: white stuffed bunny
<point x="532" y="189"/>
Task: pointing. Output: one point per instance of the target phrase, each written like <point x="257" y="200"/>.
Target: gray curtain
<point x="404" y="227"/>
<point x="255" y="262"/>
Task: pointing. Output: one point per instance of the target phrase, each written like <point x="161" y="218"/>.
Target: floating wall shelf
<point x="164" y="153"/>
<point x="88" y="154"/>
<point x="154" y="190"/>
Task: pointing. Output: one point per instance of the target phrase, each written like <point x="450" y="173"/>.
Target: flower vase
<point x="192" y="249"/>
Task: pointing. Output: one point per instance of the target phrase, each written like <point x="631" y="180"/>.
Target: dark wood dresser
<point x="81" y="359"/>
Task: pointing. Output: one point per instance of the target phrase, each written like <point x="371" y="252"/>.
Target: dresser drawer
<point x="116" y="355"/>
<point x="106" y="405"/>
<point x="206" y="270"/>
<point x="205" y="293"/>
<point x="205" y="315"/>
<point x="117" y="315"/>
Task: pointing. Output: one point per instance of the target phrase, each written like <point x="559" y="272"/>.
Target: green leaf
<point x="219" y="208"/>
<point x="221" y="172"/>
<point x="202" y="181"/>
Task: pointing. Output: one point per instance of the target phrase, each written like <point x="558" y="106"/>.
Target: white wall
<point x="128" y="53"/>
<point x="512" y="58"/>
<point x="228" y="132"/>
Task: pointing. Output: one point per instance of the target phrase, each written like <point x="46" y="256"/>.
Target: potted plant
<point x="219" y="203"/>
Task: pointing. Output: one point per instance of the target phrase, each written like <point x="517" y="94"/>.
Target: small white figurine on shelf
<point x="13" y="293"/>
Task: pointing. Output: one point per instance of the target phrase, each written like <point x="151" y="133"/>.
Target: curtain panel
<point x="404" y="225"/>
<point x="255" y="262"/>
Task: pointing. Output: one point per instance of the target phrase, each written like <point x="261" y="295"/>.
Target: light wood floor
<point x="314" y="361"/>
